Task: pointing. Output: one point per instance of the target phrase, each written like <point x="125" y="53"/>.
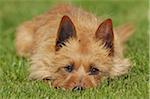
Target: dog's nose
<point x="77" y="88"/>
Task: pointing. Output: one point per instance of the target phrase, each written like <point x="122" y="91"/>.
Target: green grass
<point x="13" y="69"/>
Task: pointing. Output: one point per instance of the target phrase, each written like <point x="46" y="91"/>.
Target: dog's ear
<point x="66" y="30"/>
<point x="105" y="33"/>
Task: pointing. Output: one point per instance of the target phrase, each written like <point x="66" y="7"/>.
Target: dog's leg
<point x="24" y="39"/>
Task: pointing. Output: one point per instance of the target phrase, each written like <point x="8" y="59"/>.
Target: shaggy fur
<point x="36" y="39"/>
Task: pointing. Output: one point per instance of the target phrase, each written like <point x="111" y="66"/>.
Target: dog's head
<point x="82" y="62"/>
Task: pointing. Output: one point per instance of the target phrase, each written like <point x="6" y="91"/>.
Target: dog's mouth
<point x="76" y="88"/>
<point x="49" y="82"/>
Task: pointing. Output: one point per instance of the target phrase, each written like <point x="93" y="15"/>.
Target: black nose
<point x="78" y="88"/>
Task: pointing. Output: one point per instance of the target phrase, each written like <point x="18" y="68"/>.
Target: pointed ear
<point x="66" y="30"/>
<point x="105" y="33"/>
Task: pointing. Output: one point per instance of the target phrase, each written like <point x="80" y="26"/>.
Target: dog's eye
<point x="94" y="71"/>
<point x="69" y="68"/>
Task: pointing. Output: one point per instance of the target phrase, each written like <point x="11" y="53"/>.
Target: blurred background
<point x="13" y="69"/>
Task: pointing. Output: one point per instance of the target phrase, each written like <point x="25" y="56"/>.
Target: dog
<point x="73" y="48"/>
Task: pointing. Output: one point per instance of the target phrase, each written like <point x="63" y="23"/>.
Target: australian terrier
<point x="73" y="48"/>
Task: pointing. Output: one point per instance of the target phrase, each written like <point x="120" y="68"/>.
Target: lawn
<point x="13" y="69"/>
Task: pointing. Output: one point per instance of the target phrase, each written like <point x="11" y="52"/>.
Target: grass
<point x="13" y="69"/>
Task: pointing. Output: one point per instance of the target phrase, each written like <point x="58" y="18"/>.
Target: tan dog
<point x="73" y="48"/>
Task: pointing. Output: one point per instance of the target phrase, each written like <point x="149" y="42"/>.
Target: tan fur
<point x="36" y="39"/>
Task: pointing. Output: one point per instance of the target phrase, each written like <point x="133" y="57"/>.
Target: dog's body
<point x="65" y="43"/>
